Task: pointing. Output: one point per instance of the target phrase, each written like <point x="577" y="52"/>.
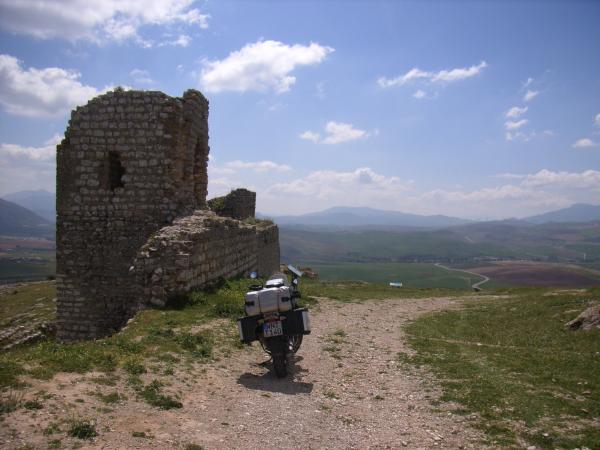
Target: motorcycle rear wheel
<point x="280" y="364"/>
<point x="295" y="341"/>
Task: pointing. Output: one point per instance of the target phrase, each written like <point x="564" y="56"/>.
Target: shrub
<point x="32" y="404"/>
<point x="82" y="429"/>
<point x="134" y="367"/>
<point x="151" y="394"/>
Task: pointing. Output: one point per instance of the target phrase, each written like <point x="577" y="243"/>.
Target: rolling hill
<point x="573" y="243"/>
<point x="360" y="217"/>
<point x="41" y="202"/>
<point x="579" y="212"/>
<point x="18" y="221"/>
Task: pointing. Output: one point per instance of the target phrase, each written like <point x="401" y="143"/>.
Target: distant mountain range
<point x="18" y="221"/>
<point x="368" y="217"/>
<point x="345" y="217"/>
<point x="579" y="212"/>
<point x="41" y="206"/>
<point x="41" y="202"/>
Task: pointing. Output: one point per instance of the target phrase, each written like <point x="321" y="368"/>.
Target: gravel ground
<point x="346" y="389"/>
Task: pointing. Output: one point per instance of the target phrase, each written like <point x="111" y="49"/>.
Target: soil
<point x="343" y="391"/>
<point x="536" y="274"/>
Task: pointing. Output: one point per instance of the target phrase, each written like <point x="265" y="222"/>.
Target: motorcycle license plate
<point x="271" y="329"/>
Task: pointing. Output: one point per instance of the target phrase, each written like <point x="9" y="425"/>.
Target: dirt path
<point x="346" y="390"/>
<point x="474" y="285"/>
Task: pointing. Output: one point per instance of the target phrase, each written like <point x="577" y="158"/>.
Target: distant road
<point x="474" y="286"/>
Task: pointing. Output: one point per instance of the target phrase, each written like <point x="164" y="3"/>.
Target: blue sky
<point x="474" y="109"/>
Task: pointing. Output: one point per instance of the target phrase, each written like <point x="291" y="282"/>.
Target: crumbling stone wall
<point x="267" y="249"/>
<point x="201" y="248"/>
<point x="238" y="204"/>
<point x="131" y="163"/>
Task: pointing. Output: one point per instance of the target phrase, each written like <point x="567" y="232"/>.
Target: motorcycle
<point x="274" y="318"/>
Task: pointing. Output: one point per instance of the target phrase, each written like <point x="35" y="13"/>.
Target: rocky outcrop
<point x="587" y="320"/>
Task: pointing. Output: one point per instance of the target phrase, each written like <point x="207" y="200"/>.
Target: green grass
<point x="413" y="275"/>
<point x="109" y="399"/>
<point x="357" y="290"/>
<point x="512" y="361"/>
<point x="10" y="402"/>
<point x="82" y="429"/>
<point x="162" y="335"/>
<point x="13" y="271"/>
<point x="151" y="393"/>
<point x="23" y="298"/>
<point x="194" y="447"/>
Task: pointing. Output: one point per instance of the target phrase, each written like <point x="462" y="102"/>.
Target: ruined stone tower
<point x="130" y="163"/>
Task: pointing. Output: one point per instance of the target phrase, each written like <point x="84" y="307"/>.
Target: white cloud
<point x="40" y="92"/>
<point x="584" y="143"/>
<point x="515" y="112"/>
<point x="589" y="179"/>
<point x="597" y="120"/>
<point x="27" y="168"/>
<point x="43" y="153"/>
<point x="459" y="74"/>
<point x="520" y="136"/>
<point x="96" y="20"/>
<point x="336" y="133"/>
<point x="412" y="74"/>
<point x="183" y="40"/>
<point x="141" y="76"/>
<point x="517" y="196"/>
<point x="419" y="94"/>
<point x="258" y="166"/>
<point x="524" y="195"/>
<point x="446" y="76"/>
<point x="505" y="192"/>
<point x="515" y="125"/>
<point x="534" y="193"/>
<point x="333" y="187"/>
<point x="528" y="82"/>
<point x="513" y="176"/>
<point x="260" y="66"/>
<point x="342" y="132"/>
<point x="530" y="95"/>
<point x="310" y="136"/>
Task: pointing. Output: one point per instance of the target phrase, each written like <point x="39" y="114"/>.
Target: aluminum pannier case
<point x="247" y="327"/>
<point x="269" y="300"/>
<point x="251" y="304"/>
<point x="296" y="321"/>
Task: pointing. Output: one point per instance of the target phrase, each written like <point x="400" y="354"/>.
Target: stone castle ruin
<point x="133" y="224"/>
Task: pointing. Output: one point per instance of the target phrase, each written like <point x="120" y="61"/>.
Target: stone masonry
<point x="238" y="204"/>
<point x="131" y="163"/>
<point x="201" y="248"/>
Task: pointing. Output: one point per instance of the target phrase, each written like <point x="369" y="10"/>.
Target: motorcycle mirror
<point x="253" y="275"/>
<point x="294" y="270"/>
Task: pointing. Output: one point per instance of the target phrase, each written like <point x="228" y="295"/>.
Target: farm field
<point x="27" y="265"/>
<point x="410" y="274"/>
<point x="565" y="243"/>
<point x="524" y="273"/>
<point x="26" y="259"/>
